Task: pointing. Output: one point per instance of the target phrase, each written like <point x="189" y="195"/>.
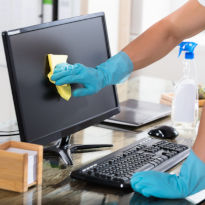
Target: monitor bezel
<point x="14" y="85"/>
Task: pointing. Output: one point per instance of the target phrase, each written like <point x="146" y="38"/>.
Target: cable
<point x="7" y="131"/>
<point x="8" y="135"/>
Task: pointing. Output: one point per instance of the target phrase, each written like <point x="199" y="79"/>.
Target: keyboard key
<point x="145" y="167"/>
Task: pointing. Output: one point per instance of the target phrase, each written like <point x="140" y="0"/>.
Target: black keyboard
<point x="117" y="168"/>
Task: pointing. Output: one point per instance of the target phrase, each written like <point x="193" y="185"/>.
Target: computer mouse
<point x="164" y="132"/>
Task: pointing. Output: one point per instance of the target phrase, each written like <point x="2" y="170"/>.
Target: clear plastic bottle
<point x="185" y="102"/>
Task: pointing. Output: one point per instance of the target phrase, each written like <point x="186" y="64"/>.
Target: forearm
<point x="163" y="36"/>
<point x="152" y="45"/>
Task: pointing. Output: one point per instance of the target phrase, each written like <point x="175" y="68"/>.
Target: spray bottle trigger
<point x="188" y="47"/>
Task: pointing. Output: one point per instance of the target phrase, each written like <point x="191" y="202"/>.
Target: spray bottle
<point x="185" y="102"/>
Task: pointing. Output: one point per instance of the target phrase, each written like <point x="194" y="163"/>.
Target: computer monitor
<point x="42" y="115"/>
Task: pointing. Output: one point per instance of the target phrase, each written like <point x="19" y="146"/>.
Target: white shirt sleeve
<point x="202" y="2"/>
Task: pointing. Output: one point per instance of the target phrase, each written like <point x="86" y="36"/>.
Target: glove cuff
<point x="116" y="69"/>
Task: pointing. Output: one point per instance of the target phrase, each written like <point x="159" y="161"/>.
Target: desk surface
<point x="59" y="188"/>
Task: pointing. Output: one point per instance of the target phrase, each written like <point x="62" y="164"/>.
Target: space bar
<point x="146" y="167"/>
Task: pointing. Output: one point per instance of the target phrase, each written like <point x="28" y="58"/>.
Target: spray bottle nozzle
<point x="188" y="47"/>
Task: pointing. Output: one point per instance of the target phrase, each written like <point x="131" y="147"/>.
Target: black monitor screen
<point x="42" y="114"/>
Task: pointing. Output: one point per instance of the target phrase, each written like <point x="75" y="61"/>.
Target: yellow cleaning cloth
<point x="63" y="90"/>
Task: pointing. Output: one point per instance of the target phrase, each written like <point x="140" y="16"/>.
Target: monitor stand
<point x="63" y="149"/>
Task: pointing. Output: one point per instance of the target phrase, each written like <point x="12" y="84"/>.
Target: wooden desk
<point x="59" y="188"/>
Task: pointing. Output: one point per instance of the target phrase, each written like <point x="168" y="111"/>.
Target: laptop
<point x="136" y="113"/>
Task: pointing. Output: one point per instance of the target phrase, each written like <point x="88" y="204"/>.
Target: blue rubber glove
<point x="163" y="185"/>
<point x="115" y="70"/>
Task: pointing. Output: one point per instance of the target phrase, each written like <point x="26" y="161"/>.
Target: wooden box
<point x="14" y="166"/>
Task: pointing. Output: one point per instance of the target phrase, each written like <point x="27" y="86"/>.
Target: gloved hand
<point x="163" y="185"/>
<point x="112" y="71"/>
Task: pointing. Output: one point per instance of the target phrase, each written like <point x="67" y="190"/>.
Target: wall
<point x="111" y="9"/>
<point x="15" y="14"/>
<point x="68" y="8"/>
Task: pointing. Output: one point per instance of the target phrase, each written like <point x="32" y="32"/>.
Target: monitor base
<point x="63" y="149"/>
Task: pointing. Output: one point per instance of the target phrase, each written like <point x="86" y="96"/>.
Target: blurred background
<point x="126" y="19"/>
